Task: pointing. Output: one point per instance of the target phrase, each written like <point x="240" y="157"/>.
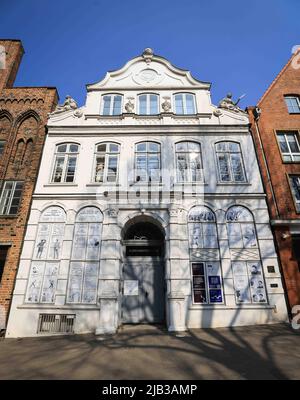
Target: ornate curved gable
<point x="149" y="70"/>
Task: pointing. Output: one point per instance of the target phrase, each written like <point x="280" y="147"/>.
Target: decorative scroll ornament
<point x="173" y="212"/>
<point x="69" y="104"/>
<point x="217" y="113"/>
<point x="129" y="106"/>
<point x="228" y="104"/>
<point x="166" y="105"/>
<point x="113" y="212"/>
<point x="78" y="113"/>
<point x="148" y="55"/>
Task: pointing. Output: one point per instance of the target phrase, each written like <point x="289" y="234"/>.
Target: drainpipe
<point x="256" y="118"/>
<point x="256" y="114"/>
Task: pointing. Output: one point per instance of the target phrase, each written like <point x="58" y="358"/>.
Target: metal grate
<point x="56" y="323"/>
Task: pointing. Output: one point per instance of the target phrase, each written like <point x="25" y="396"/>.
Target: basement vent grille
<point x="56" y="323"/>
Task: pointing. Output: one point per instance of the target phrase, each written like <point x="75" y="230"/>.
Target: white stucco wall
<point x="88" y="128"/>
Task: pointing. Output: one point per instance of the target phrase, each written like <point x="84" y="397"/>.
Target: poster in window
<point x="79" y="247"/>
<point x="81" y="229"/>
<point x="35" y="282"/>
<point x="241" y="287"/>
<point x="91" y="269"/>
<point x="44" y="230"/>
<point x="234" y="235"/>
<point x="55" y="247"/>
<point x="215" y="296"/>
<point x="254" y="268"/>
<point x="76" y="268"/>
<point x="213" y="268"/>
<point x="93" y="247"/>
<point x="259" y="296"/>
<point x="41" y="246"/>
<point x="90" y="289"/>
<point x="48" y="291"/>
<point x="95" y="229"/>
<point x="89" y="297"/>
<point x="257" y="289"/>
<point x="74" y="295"/>
<point x="239" y="268"/>
<point x="214" y="282"/>
<point x="198" y="282"/>
<point x="200" y="296"/>
<point x="51" y="269"/>
<point x="195" y="235"/>
<point x="198" y="268"/>
<point x="89" y="214"/>
<point x="249" y="235"/>
<point x="210" y="236"/>
<point x="53" y="214"/>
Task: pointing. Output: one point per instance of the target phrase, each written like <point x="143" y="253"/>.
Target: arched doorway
<point x="143" y="292"/>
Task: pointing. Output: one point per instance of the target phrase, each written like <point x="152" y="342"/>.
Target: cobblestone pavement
<point x="150" y="352"/>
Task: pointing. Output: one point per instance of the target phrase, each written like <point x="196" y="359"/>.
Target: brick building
<point x="275" y="128"/>
<point x="23" y="115"/>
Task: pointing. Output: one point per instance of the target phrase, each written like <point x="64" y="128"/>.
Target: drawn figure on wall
<point x="56" y="248"/>
<point x="196" y="236"/>
<point x="40" y="247"/>
<point x="250" y="236"/>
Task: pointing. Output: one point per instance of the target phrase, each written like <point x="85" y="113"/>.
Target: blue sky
<point x="238" y="46"/>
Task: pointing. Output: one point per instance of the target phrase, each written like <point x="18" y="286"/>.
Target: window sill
<point x="103" y="184"/>
<point x="234" y="183"/>
<point x="59" y="307"/>
<point x="145" y="184"/>
<point x="236" y="307"/>
<point x="8" y="216"/>
<point x="290" y="162"/>
<point x="60" y="184"/>
<point x="190" y="183"/>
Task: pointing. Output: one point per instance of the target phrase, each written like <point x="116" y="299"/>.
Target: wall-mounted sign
<point x="131" y="288"/>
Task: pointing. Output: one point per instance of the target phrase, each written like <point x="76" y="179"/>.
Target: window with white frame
<point x="188" y="162"/>
<point x="106" y="162"/>
<point x="240" y="228"/>
<point x="185" y="103"/>
<point x="202" y="228"/>
<point x="295" y="185"/>
<point x="206" y="282"/>
<point x="203" y="238"/>
<point x="289" y="146"/>
<point x="148" y="104"/>
<point x="248" y="277"/>
<point x="147" y="162"/>
<point x="10" y="197"/>
<point x="111" y="104"/>
<point x="230" y="162"/>
<point x="65" y="163"/>
<point x="46" y="256"/>
<point x="293" y="104"/>
<point x="85" y="257"/>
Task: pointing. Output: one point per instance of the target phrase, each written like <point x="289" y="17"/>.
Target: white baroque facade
<point x="149" y="207"/>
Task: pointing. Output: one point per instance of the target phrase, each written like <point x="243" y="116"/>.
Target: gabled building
<point x="275" y="125"/>
<point x="149" y="208"/>
<point x="23" y="116"/>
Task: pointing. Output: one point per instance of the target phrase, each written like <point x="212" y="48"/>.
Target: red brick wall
<point x="23" y="116"/>
<point x="275" y="117"/>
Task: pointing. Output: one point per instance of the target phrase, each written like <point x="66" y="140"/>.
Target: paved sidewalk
<point x="150" y="352"/>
